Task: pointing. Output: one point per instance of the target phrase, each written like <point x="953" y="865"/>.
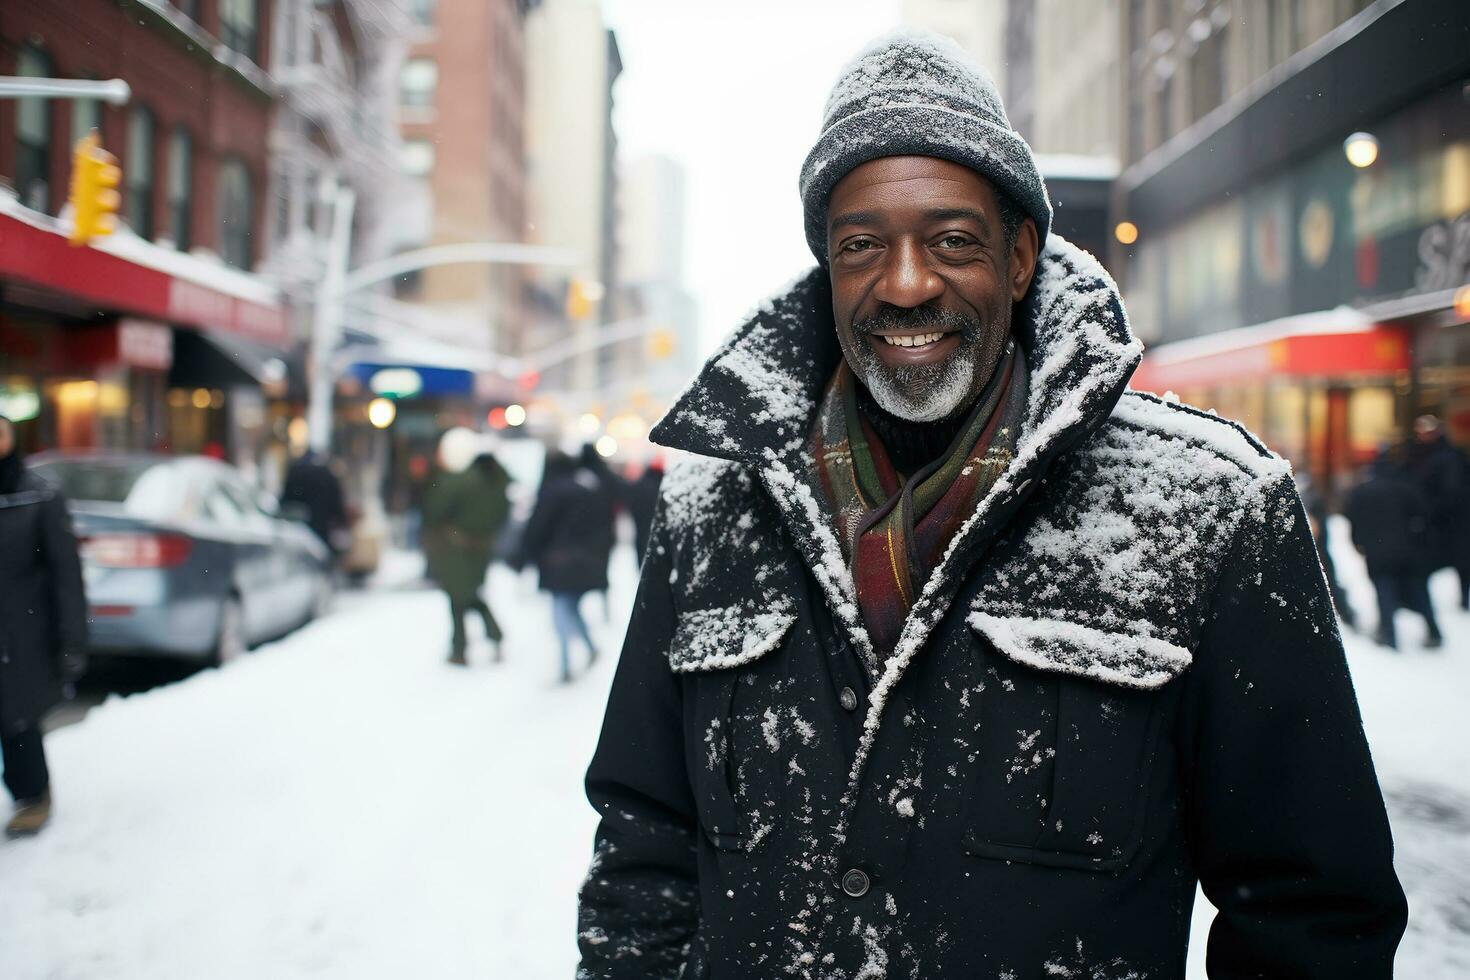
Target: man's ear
<point x="1023" y="260"/>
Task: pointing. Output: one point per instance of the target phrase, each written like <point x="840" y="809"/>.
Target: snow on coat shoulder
<point x="1109" y="572"/>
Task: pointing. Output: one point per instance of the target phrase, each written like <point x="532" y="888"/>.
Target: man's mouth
<point x="913" y="339"/>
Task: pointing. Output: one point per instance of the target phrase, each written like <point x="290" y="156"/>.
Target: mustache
<point x="928" y="319"/>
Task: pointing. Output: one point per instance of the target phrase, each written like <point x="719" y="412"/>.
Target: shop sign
<point x="144" y="344"/>
<point x="1444" y="255"/>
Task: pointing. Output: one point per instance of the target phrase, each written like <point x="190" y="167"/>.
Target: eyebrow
<point x="937" y="214"/>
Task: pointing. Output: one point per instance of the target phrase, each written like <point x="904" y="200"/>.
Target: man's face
<point x="7" y="438"/>
<point x="922" y="284"/>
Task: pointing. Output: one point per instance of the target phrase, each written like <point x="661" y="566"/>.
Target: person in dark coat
<point x="465" y="507"/>
<point x="1315" y="504"/>
<point x="1390" y="517"/>
<point x="1442" y="471"/>
<point x="569" y="538"/>
<point x="43" y="627"/>
<point x="641" y="496"/>
<point x="953" y="657"/>
<point x="311" y="483"/>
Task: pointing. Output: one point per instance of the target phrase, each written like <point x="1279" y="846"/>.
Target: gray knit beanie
<point x="917" y="94"/>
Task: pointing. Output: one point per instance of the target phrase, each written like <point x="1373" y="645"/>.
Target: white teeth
<point x="920" y="340"/>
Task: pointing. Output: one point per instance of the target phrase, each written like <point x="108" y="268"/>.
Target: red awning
<point x="192" y="293"/>
<point x="1335" y="344"/>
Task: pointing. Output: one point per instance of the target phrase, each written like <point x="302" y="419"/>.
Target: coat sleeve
<point x="640" y="903"/>
<point x="64" y="568"/>
<point x="1287" y="823"/>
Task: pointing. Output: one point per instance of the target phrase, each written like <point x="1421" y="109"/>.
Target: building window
<point x="86" y="115"/>
<point x="1207" y="74"/>
<point x="417" y="82"/>
<point x="33" y="136"/>
<point x="180" y="186"/>
<point x="237" y="26"/>
<point x="1164" y="109"/>
<point x="236" y="211"/>
<point x="418" y="157"/>
<point x="138" y="173"/>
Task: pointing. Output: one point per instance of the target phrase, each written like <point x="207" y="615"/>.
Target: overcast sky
<point x="734" y="93"/>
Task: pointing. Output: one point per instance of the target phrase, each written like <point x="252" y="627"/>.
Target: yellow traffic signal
<point x="94" y="197"/>
<point x="661" y="345"/>
<point x="581" y="296"/>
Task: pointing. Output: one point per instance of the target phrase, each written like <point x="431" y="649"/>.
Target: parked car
<point x="183" y="558"/>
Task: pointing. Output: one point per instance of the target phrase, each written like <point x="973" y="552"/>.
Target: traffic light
<point x="94" y="197"/>
<point x="582" y="294"/>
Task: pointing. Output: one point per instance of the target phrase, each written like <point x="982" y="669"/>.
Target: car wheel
<point x="230" y="641"/>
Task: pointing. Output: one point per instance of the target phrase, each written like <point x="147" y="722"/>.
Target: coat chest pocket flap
<point x="710" y="645"/>
<point x="1095" y="703"/>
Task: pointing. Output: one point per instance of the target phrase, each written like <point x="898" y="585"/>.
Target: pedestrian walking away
<point x="952" y="656"/>
<point x="465" y="507"/>
<point x="1390" y="518"/>
<point x="642" y="498"/>
<point x="569" y="538"/>
<point x="43" y="627"/>
<point x="1442" y="472"/>
<point x="311" y="484"/>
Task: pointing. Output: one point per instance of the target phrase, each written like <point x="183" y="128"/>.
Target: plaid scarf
<point x="894" y="531"/>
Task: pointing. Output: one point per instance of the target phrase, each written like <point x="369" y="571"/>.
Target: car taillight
<point x="137" y="550"/>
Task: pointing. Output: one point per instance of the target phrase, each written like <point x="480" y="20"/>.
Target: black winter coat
<point x="43" y="607"/>
<point x="1125" y="677"/>
<point x="1390" y="519"/>
<point x="570" y="534"/>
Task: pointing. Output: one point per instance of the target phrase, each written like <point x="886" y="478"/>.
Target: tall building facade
<point x="461" y="112"/>
<point x="572" y="188"/>
<point x="1299" y="175"/>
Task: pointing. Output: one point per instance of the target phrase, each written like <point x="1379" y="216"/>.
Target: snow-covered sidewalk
<point x="339" y="804"/>
<point x="343" y="804"/>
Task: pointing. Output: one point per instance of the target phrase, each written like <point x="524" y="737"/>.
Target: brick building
<point x="159" y="336"/>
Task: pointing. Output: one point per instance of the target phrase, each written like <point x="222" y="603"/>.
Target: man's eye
<point x="861" y="245"/>
<point x="956" y="241"/>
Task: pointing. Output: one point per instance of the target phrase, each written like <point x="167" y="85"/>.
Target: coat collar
<point x="755" y="398"/>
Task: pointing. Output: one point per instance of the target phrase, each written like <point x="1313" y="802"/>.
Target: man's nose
<point x="908" y="280"/>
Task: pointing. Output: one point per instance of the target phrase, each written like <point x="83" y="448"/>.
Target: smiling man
<point x="952" y="657"/>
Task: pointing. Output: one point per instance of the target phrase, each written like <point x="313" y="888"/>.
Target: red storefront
<point x="1323" y="389"/>
<point x="128" y="345"/>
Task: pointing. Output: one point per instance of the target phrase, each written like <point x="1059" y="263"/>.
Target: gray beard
<point x="922" y="392"/>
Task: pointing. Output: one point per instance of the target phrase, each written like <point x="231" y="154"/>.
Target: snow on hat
<point x="917" y="93"/>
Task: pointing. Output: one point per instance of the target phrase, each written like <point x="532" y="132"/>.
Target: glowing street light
<point x="1361" y="149"/>
<point x="607" y="446"/>
<point x="589" y="423"/>
<point x="515" y="415"/>
<point x="1126" y="232"/>
<point x="381" y="412"/>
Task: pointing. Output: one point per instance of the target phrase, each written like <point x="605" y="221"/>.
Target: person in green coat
<point x="465" y="507"/>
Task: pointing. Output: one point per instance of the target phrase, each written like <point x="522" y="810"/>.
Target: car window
<point x="222" y="507"/>
<point x="149" y="489"/>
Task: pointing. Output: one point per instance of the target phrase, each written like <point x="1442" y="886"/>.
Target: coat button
<point x="855" y="883"/>
<point x="848" y="699"/>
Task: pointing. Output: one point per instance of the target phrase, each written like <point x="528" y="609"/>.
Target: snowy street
<point x="344" y="804"/>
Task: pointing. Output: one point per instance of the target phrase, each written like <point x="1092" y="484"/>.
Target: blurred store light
<point x="589" y="423"/>
<point x="607" y="446"/>
<point x="1126" y="232"/>
<point x="515" y="415"/>
<point x="1361" y="149"/>
<point x="381" y="412"/>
